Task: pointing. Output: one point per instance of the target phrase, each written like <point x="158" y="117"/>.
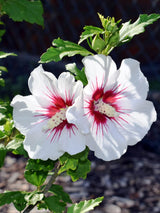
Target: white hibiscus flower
<point x="45" y="117"/>
<point x="115" y="105"/>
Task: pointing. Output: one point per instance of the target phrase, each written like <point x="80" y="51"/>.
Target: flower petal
<point x="132" y="79"/>
<point x="72" y="142"/>
<point x="100" y="69"/>
<point x="68" y="88"/>
<point x="107" y="145"/>
<point x="76" y="111"/>
<point x="42" y="85"/>
<point x="25" y="112"/>
<point x="39" y="146"/>
<point x="137" y="123"/>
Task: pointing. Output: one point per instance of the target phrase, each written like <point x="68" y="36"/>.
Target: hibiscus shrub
<point x="99" y="108"/>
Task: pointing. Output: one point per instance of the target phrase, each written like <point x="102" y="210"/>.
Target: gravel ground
<point x="129" y="185"/>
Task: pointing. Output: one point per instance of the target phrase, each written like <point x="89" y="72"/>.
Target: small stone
<point x="110" y="208"/>
<point x="123" y="202"/>
<point x="13" y="177"/>
<point x="9" y="161"/>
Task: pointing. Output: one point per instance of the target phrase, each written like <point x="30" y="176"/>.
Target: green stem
<point x="46" y="188"/>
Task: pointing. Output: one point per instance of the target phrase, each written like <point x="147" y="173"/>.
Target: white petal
<point x="68" y="88"/>
<point x="132" y="79"/>
<point x="100" y="69"/>
<point x="72" y="142"/>
<point x="39" y="146"/>
<point x="75" y="115"/>
<point x="25" y="112"/>
<point x="137" y="123"/>
<point x="107" y="145"/>
<point x="42" y="85"/>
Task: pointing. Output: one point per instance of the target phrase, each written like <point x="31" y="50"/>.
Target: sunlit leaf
<point x="4" y="55"/>
<point x="61" y="49"/>
<point x="84" y="206"/>
<point x="33" y="197"/>
<point x="129" y="30"/>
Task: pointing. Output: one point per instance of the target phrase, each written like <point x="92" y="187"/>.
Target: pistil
<point x="106" y="109"/>
<point x="56" y="119"/>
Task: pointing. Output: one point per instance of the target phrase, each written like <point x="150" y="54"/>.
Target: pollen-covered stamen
<point x="106" y="109"/>
<point x="56" y="119"/>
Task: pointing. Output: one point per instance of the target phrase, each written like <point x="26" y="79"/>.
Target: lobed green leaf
<point x="84" y="206"/>
<point x="129" y="30"/>
<point x="69" y="163"/>
<point x="15" y="197"/>
<point x="61" y="49"/>
<point x="81" y="171"/>
<point x="77" y="166"/>
<point x="90" y="31"/>
<point x="36" y="178"/>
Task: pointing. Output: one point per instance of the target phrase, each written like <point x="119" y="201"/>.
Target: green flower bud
<point x="98" y="44"/>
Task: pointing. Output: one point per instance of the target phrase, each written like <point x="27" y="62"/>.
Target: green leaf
<point x="33" y="197"/>
<point x="77" y="166"/>
<point x="60" y="193"/>
<point x="42" y="205"/>
<point x="15" y="197"/>
<point x="24" y="10"/>
<point x="90" y="31"/>
<point x="69" y="163"/>
<point x="4" y="55"/>
<point x="2" y="32"/>
<point x="3" y="152"/>
<point x="4" y="69"/>
<point x="54" y="204"/>
<point x="15" y="143"/>
<point x="2" y="82"/>
<point x="62" y="48"/>
<point x="2" y="134"/>
<point x="40" y="165"/>
<point x="82" y="155"/>
<point x="109" y="23"/>
<point x="81" y="171"/>
<point x="84" y="206"/>
<point x="16" y="146"/>
<point x="36" y="178"/>
<point x="8" y="127"/>
<point x="79" y="74"/>
<point x="129" y="30"/>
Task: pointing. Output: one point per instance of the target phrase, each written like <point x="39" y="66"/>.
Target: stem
<point x="47" y="187"/>
<point x="52" y="179"/>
